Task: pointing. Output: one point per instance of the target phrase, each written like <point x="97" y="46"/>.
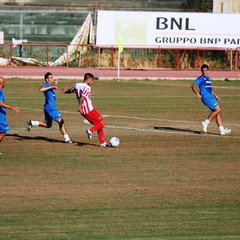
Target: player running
<point x="210" y="99"/>
<point x="4" y="128"/>
<point x="50" y="110"/>
<point x="85" y="107"/>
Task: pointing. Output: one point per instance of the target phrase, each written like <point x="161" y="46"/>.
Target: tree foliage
<point x="197" y="6"/>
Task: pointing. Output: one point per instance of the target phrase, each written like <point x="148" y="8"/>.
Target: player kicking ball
<point x="86" y="109"/>
<point x="209" y="99"/>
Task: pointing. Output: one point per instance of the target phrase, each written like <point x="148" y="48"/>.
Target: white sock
<point x="206" y="122"/>
<point x="221" y="128"/>
<point x="66" y="137"/>
<point x="35" y="123"/>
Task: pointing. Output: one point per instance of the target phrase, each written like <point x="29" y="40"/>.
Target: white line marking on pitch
<point x="163" y="131"/>
<point x="149" y="129"/>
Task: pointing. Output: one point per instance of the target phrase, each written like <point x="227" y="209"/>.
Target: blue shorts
<point x="52" y="115"/>
<point x="211" y="103"/>
<point x="4" y="127"/>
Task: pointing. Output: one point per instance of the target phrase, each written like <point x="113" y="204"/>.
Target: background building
<point x="226" y="6"/>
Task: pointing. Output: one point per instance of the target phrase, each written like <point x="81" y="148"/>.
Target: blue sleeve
<point x="46" y="84"/>
<point x="198" y="81"/>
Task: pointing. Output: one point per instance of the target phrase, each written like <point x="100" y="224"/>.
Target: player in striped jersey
<point x="85" y="107"/>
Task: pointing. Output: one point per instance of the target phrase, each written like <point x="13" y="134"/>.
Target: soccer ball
<point x="114" y="141"/>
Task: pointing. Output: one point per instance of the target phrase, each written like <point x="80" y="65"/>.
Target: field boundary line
<point x="129" y="117"/>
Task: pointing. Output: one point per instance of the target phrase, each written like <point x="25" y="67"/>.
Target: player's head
<point x="204" y="69"/>
<point x="88" y="78"/>
<point x="88" y="75"/>
<point x="47" y="75"/>
<point x="2" y="82"/>
<point x="205" y="66"/>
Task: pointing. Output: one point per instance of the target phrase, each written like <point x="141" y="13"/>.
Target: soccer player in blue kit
<point x="4" y="128"/>
<point x="210" y="99"/>
<point x="50" y="110"/>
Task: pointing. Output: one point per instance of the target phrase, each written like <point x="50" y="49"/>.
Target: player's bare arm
<point x="195" y="90"/>
<point x="55" y="82"/>
<point x="80" y="104"/>
<point x="43" y="89"/>
<point x="66" y="90"/>
<point x="215" y="95"/>
<point x="15" y="109"/>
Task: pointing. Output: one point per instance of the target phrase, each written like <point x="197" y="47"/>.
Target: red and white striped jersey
<point x="83" y="89"/>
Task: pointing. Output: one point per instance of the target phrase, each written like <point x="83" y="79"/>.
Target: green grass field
<point x="167" y="180"/>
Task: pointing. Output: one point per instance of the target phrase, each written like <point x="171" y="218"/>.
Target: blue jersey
<point x="205" y="90"/>
<point x="50" y="109"/>
<point x="3" y="118"/>
<point x="205" y="86"/>
<point x="50" y="98"/>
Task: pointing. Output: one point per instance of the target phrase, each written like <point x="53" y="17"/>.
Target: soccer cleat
<point x="104" y="145"/>
<point x="89" y="134"/>
<point x="226" y="131"/>
<point x="29" y="125"/>
<point x="204" y="127"/>
<point x="71" y="142"/>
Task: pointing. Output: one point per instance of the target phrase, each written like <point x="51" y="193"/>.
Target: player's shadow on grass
<point x="173" y="129"/>
<point x="38" y="138"/>
<point x="41" y="138"/>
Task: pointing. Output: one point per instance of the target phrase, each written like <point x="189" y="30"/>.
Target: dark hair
<point x="47" y="75"/>
<point x="88" y="75"/>
<point x="204" y="66"/>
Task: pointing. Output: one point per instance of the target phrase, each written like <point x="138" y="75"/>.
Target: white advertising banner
<point x="1" y="38"/>
<point x="169" y="30"/>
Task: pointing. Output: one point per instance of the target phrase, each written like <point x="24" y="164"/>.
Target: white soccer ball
<point x="114" y="141"/>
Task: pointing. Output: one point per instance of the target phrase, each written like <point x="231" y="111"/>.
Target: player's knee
<point x="218" y="110"/>
<point x="2" y="135"/>
<point x="49" y="124"/>
<point x="61" y="122"/>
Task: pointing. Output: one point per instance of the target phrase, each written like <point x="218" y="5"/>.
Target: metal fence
<point x="132" y="58"/>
